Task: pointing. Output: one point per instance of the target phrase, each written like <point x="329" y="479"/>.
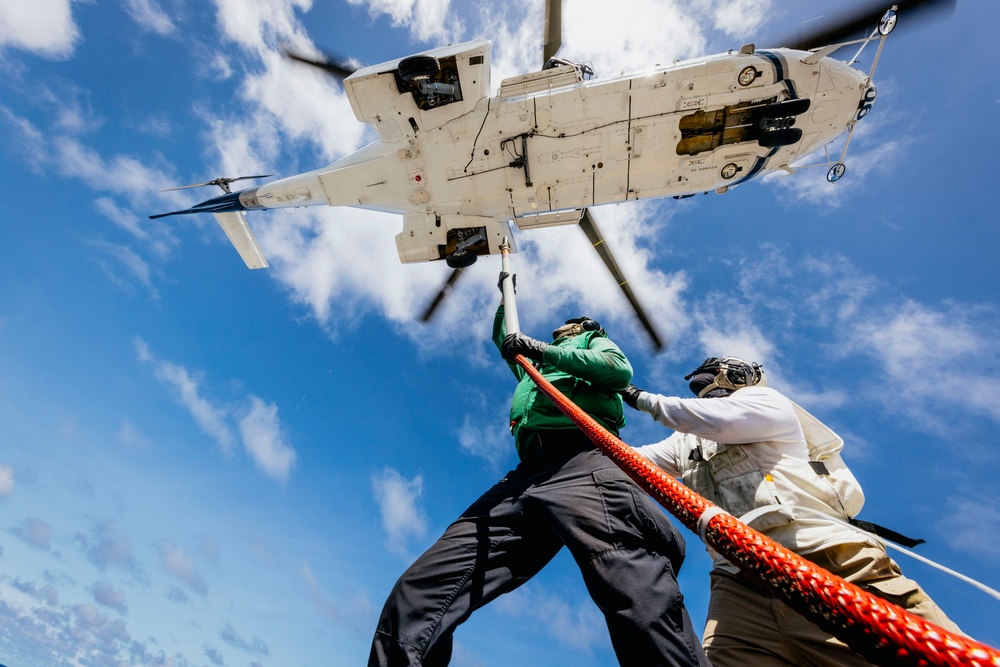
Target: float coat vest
<point x="588" y="368"/>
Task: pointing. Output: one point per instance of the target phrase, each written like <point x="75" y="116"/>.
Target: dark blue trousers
<point x="623" y="543"/>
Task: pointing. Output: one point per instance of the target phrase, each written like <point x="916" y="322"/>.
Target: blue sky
<point x="205" y="465"/>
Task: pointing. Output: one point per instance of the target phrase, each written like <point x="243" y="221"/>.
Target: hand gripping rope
<point x="880" y="631"/>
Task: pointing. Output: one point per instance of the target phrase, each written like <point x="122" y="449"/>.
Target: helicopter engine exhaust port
<point x="775" y="123"/>
<point x="776" y="138"/>
<point x="787" y="108"/>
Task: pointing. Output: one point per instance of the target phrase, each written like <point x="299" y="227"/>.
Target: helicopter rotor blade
<point x="185" y="187"/>
<point x="553" y="29"/>
<point x="597" y="239"/>
<point x="863" y="20"/>
<point x="222" y="182"/>
<point x="331" y="65"/>
<point x="442" y="293"/>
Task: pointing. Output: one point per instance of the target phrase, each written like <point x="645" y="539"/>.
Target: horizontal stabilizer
<point x="235" y="225"/>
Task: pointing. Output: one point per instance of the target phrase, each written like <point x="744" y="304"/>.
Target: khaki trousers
<point x="748" y="627"/>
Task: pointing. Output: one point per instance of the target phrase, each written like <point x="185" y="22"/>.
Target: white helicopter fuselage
<point x="549" y="143"/>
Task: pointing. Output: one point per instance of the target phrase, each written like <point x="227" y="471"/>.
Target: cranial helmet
<point x="577" y="326"/>
<point x="721" y="376"/>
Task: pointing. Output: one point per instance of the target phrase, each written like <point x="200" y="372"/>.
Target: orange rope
<point x="878" y="630"/>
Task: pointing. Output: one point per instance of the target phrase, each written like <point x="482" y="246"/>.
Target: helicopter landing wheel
<point x="887" y="23"/>
<point x="836" y="172"/>
<point x="461" y="259"/>
<point x="418" y="67"/>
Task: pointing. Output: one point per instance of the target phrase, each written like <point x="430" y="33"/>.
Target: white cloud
<point x="125" y="259"/>
<point x="105" y="548"/>
<point x="106" y="595"/>
<point x="607" y="35"/>
<point x="326" y="606"/>
<point x="574" y="623"/>
<point x="627" y="35"/>
<point x="36" y="532"/>
<point x="210" y="417"/>
<point x="841" y="290"/>
<point x="869" y="153"/>
<point x="258" y="424"/>
<point x="48" y="593"/>
<point x="426" y="19"/>
<point x="352" y="609"/>
<point x="24" y="137"/>
<point x="6" y="481"/>
<point x="256" y="25"/>
<point x="920" y="352"/>
<point x="254" y="645"/>
<point x="402" y="517"/>
<point x="739" y="18"/>
<point x="150" y="16"/>
<point x="483" y="432"/>
<point x="130" y="436"/>
<point x="286" y="98"/>
<point x="728" y="329"/>
<point x="121" y="177"/>
<point x="92" y="620"/>
<point x="934" y="359"/>
<point x="71" y="634"/>
<point x="44" y="27"/>
<point x="177" y="563"/>
<point x="303" y="100"/>
<point x="260" y="430"/>
<point x="125" y="219"/>
<point x="120" y="174"/>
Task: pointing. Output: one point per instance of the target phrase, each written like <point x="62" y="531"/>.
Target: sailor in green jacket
<point x="564" y="492"/>
<point x="581" y="362"/>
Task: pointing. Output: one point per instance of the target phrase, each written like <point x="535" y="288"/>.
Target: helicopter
<point x="460" y="164"/>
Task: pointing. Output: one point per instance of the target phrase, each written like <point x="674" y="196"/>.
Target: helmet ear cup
<point x="743" y="374"/>
<point x="737" y="375"/>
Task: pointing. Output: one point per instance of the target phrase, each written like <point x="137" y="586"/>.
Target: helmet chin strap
<point x="567" y="330"/>
<point x="706" y="385"/>
<point x="720" y="382"/>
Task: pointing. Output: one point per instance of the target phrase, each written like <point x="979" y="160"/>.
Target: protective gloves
<point x="630" y="395"/>
<point x="518" y="343"/>
<point x="503" y="276"/>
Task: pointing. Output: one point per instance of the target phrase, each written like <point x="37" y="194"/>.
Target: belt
<point x="552" y="443"/>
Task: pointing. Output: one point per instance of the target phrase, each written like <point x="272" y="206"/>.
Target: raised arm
<point x="750" y="415"/>
<point x="602" y="363"/>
